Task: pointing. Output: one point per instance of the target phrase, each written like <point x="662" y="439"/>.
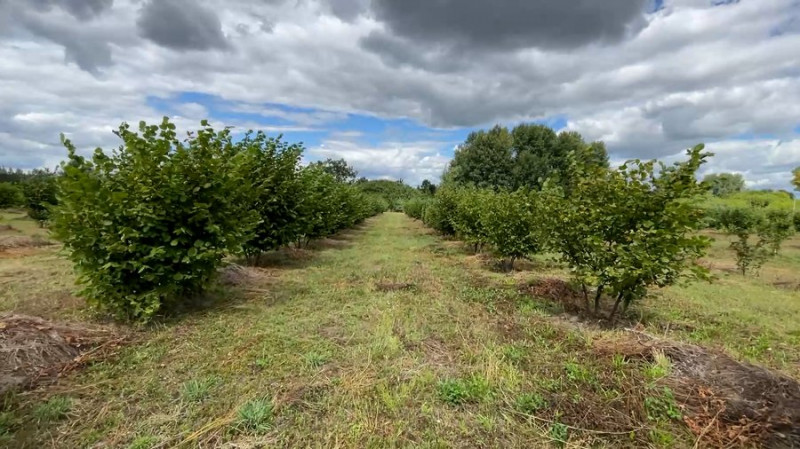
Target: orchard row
<point x="147" y="226"/>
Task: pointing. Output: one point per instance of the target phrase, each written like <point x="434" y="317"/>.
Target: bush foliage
<point x="621" y="231"/>
<point x="148" y="225"/>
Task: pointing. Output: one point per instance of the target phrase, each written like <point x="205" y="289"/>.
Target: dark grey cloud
<point x="348" y="10"/>
<point x="181" y="25"/>
<point x="81" y="9"/>
<point x="69" y="23"/>
<point x="512" y="24"/>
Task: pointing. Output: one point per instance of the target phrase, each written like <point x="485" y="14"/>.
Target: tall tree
<point x="485" y="160"/>
<point x="723" y="184"/>
<point x="427" y="187"/>
<point x="338" y="168"/>
<point x="536" y="155"/>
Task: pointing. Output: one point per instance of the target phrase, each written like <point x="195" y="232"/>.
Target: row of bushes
<point x="148" y="225"/>
<point x="620" y="231"/>
<point x="35" y="191"/>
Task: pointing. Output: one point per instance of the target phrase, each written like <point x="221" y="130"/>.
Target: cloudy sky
<point x="394" y="85"/>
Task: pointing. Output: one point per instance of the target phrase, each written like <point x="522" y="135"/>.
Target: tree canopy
<point x="524" y="157"/>
<point x="724" y="184"/>
<point x="338" y="168"/>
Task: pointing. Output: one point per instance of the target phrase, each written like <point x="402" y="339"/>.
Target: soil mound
<point x="726" y="403"/>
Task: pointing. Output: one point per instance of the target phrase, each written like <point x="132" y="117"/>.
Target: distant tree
<point x="524" y="158"/>
<point x="427" y="187"/>
<point x="723" y="184"/>
<point x="8" y="174"/>
<point x="338" y="168"/>
<point x="10" y="195"/>
<point x="394" y="193"/>
<point x="796" y="178"/>
<point x="484" y="160"/>
<point x="40" y="190"/>
<point x="537" y="155"/>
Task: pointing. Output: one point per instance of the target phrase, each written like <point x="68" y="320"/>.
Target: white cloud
<point x="694" y="73"/>
<point x="409" y="161"/>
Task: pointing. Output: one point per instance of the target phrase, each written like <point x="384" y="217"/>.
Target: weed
<point x="660" y="368"/>
<point x="460" y="391"/>
<point x="315" y="359"/>
<point x="262" y="362"/>
<point x="662" y="407"/>
<point x="513" y="353"/>
<point x="143" y="442"/>
<point x="619" y="362"/>
<point x="579" y="373"/>
<point x="6" y="424"/>
<point x="255" y="416"/>
<point x="487" y="422"/>
<point x="559" y="433"/>
<point x="530" y="403"/>
<point x="57" y="407"/>
<point x="196" y="390"/>
<point x="661" y="438"/>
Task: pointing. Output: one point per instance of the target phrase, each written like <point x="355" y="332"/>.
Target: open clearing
<point x="388" y="336"/>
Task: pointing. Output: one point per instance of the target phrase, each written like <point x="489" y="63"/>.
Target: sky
<point x="393" y="86"/>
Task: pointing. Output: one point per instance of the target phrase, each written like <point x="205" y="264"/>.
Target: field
<point x="389" y="336"/>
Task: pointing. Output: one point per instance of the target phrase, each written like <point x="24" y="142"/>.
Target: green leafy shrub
<point x="470" y="205"/>
<point x="147" y="225"/>
<point x="440" y="212"/>
<point x="513" y="225"/>
<point x="271" y="167"/>
<point x="743" y="223"/>
<point x="10" y="195"/>
<point x="629" y="229"/>
<point x="40" y="190"/>
<point x="415" y="207"/>
<point x="778" y="226"/>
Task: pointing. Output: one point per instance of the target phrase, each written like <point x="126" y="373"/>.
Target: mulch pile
<point x="34" y="350"/>
<point x="726" y="403"/>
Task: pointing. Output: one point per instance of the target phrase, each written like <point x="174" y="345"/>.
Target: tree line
<point x="148" y="225"/>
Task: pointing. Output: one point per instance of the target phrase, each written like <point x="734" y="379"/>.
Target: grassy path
<point x="387" y="338"/>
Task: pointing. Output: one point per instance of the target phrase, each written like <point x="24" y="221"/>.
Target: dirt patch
<point x="34" y="350"/>
<point x="234" y="274"/>
<point x="394" y="286"/>
<point x="21" y="241"/>
<point x="557" y="290"/>
<point x="726" y="403"/>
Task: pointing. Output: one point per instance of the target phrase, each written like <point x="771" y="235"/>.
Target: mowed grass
<point x="323" y="354"/>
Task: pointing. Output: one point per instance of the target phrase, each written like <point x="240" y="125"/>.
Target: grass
<point x="54" y="409"/>
<point x="315" y="354"/>
<point x="254" y="416"/>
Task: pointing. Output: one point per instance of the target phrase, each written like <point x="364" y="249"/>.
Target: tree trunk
<point x="614" y="310"/>
<point x="597" y="299"/>
<point x="585" y="297"/>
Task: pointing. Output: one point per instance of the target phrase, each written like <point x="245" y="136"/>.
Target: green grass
<point x="314" y="354"/>
<point x="54" y="409"/>
<point x="775" y="200"/>
<point x="254" y="416"/>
